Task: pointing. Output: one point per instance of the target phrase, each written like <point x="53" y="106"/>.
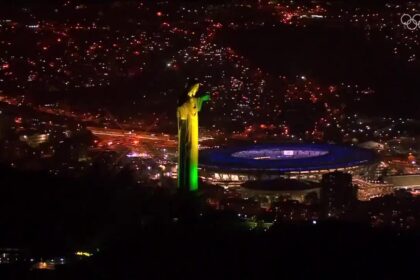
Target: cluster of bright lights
<point x="278" y="154"/>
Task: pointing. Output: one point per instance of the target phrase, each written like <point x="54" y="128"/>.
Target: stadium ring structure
<point x="235" y="165"/>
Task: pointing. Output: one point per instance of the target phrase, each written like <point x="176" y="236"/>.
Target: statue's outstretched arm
<point x="205" y="97"/>
<point x="202" y="99"/>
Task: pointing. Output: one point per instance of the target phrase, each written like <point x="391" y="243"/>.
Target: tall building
<point x="337" y="193"/>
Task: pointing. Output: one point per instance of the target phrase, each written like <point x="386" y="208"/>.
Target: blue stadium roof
<point x="285" y="157"/>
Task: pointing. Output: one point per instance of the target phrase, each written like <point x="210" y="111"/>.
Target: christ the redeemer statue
<point x="187" y="113"/>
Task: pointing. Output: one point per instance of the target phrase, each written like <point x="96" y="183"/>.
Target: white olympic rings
<point x="411" y="22"/>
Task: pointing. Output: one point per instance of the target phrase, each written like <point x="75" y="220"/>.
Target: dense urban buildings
<point x="305" y="153"/>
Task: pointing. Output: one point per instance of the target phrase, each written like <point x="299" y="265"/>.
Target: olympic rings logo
<point x="411" y="22"/>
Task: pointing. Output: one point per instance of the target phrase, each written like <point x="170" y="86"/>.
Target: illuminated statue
<point x="187" y="113"/>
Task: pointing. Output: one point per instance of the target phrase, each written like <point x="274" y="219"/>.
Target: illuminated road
<point x="132" y="135"/>
<point x="369" y="190"/>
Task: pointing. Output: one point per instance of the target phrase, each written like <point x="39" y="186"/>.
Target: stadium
<point x="232" y="166"/>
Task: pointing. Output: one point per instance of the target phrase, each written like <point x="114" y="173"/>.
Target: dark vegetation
<point x="155" y="233"/>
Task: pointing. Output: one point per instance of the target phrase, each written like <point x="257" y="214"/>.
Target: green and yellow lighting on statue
<point x="188" y="139"/>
